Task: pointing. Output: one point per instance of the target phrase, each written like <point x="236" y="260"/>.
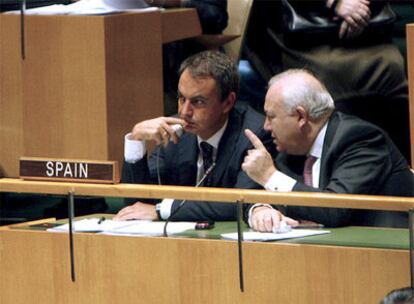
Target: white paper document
<point x="91" y="7"/>
<point x="92" y="225"/>
<point x="268" y="236"/>
<point x="153" y="228"/>
<point x="135" y="227"/>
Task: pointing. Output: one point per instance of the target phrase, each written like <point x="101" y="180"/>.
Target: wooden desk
<point x="410" y="61"/>
<point x="115" y="269"/>
<point x="85" y="82"/>
<point x="310" y="199"/>
<point x="120" y="269"/>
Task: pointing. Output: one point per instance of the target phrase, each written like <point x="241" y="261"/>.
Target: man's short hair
<point x="216" y="65"/>
<point x="399" y="296"/>
<point x="314" y="97"/>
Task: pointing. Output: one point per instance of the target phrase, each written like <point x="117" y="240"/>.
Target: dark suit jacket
<point x="178" y="166"/>
<point x="357" y="158"/>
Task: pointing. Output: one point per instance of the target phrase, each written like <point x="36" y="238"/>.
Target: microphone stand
<point x="411" y="235"/>
<point x="22" y="30"/>
<point x="239" y="242"/>
<point x="71" y="214"/>
<point x="206" y="174"/>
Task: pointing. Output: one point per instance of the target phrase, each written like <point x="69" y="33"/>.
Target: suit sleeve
<point x="236" y="178"/>
<point x="135" y="173"/>
<point x="142" y="172"/>
<point x="217" y="211"/>
<point x="357" y="167"/>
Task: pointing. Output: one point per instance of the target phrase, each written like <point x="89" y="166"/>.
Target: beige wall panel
<point x="64" y="87"/>
<point x="134" y="74"/>
<point x="11" y="124"/>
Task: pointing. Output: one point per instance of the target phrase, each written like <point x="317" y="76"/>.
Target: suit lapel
<point x="187" y="160"/>
<point x="329" y="136"/>
<point x="291" y="165"/>
<point x="226" y="146"/>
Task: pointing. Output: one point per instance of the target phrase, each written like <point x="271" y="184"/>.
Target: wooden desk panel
<point x="310" y="199"/>
<point x="85" y="82"/>
<point x="147" y="270"/>
<point x="114" y="269"/>
<point x="179" y="24"/>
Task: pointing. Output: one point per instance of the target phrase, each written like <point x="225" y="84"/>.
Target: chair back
<point x="239" y="13"/>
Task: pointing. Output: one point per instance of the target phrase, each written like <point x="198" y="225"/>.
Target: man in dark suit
<point x="322" y="151"/>
<point x="358" y="61"/>
<point x="213" y="18"/>
<point x="207" y="93"/>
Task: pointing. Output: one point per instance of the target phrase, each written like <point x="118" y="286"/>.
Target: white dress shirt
<point x="281" y="182"/>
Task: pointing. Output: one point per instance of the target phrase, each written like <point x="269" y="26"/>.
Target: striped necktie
<point x="307" y="170"/>
<point x="207" y="153"/>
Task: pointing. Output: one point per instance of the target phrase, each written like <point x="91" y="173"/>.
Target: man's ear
<point x="229" y="102"/>
<point x="303" y="116"/>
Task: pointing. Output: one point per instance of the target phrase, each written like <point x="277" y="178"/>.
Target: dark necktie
<point x="307" y="170"/>
<point x="207" y="153"/>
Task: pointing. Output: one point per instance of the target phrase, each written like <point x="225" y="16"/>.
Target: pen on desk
<point x="309" y="226"/>
<point x="101" y="220"/>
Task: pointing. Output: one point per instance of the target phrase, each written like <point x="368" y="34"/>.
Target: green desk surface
<point x="387" y="238"/>
<point x="369" y="237"/>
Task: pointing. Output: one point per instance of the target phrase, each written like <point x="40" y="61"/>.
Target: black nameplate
<point x="33" y="168"/>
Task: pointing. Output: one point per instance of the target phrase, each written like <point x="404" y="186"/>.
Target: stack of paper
<point x="143" y="227"/>
<point x="153" y="228"/>
<point x="136" y="227"/>
<point x="91" y="225"/>
<point x="91" y="7"/>
<point x="263" y="236"/>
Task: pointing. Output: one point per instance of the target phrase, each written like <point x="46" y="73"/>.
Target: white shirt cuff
<point x="249" y="216"/>
<point x="134" y="150"/>
<point x="166" y="205"/>
<point x="280" y="182"/>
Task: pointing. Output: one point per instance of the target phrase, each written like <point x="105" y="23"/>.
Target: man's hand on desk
<point x="267" y="219"/>
<point x="139" y="211"/>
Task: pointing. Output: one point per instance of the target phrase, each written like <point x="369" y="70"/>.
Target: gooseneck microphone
<point x="178" y="129"/>
<point x="206" y="174"/>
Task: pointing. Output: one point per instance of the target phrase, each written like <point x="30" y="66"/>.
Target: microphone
<point x="206" y="174"/>
<point x="178" y="129"/>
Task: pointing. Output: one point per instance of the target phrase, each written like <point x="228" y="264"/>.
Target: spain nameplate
<point x="70" y="170"/>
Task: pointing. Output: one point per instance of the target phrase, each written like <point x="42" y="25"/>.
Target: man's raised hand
<point x="258" y="163"/>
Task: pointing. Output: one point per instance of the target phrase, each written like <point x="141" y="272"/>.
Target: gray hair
<point x="313" y="97"/>
<point x="216" y="65"/>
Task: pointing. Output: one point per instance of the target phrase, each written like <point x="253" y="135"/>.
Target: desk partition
<point x="85" y="81"/>
<point x="410" y="61"/>
<point x="336" y="268"/>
